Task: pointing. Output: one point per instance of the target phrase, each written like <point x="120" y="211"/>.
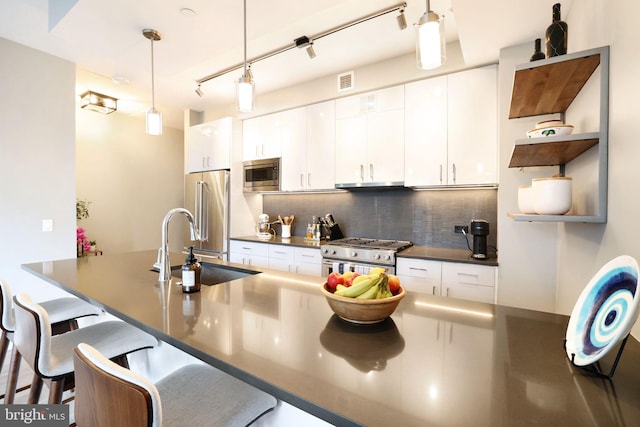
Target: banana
<point x="371" y="293"/>
<point x="377" y="271"/>
<point x="383" y="288"/>
<point x="360" y="279"/>
<point x="359" y="288"/>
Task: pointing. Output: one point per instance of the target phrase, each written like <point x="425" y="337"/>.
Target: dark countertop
<point x="444" y="254"/>
<point x="420" y="252"/>
<point x="277" y="240"/>
<point x="435" y="361"/>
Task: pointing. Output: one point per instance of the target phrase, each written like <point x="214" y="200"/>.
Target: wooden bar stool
<point x="51" y="357"/>
<point x="196" y="395"/>
<point x="63" y="314"/>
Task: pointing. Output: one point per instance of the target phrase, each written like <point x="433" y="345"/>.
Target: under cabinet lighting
<point x="98" y="102"/>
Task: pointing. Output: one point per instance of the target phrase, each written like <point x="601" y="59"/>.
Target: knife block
<point x="332" y="232"/>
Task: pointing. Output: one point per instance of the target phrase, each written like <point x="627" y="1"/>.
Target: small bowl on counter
<point x="552" y="196"/>
<point x="363" y="311"/>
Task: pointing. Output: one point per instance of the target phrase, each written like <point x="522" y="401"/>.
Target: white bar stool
<point x="63" y="314"/>
<point x="51" y="357"/>
<point x="196" y="395"/>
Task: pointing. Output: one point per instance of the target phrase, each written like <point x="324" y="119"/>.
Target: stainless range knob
<point x="388" y="257"/>
<point x="333" y="252"/>
<point x="353" y="253"/>
<point x="376" y="256"/>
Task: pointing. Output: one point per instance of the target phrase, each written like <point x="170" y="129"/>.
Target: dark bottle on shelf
<point x="537" y="54"/>
<point x="557" y="34"/>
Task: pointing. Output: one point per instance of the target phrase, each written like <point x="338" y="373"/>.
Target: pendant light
<point x="430" y="42"/>
<point x="245" y="87"/>
<point x="152" y="116"/>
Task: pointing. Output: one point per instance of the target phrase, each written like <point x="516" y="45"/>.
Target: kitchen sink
<point x="212" y="274"/>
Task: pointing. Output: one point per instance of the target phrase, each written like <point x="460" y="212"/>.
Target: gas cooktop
<point x="359" y="242"/>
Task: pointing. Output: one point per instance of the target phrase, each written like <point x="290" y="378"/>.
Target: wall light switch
<point x="47" y="225"/>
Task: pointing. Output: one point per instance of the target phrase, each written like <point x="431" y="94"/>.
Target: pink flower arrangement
<point x="81" y="239"/>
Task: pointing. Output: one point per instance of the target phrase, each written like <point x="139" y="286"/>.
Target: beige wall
<point x="132" y="180"/>
<point x="37" y="163"/>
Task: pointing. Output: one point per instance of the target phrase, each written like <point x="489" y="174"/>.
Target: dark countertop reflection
<point x="437" y="361"/>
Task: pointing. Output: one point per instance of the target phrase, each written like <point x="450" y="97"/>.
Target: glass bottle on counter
<point x="191" y="270"/>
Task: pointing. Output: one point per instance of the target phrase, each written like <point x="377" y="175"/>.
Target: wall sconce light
<point x="95" y="101"/>
<point x="430" y="42"/>
<point x="153" y="117"/>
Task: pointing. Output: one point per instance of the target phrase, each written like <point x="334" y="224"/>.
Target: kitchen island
<point x="435" y="361"/>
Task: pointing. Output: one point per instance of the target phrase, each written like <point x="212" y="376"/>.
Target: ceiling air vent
<point x="345" y="81"/>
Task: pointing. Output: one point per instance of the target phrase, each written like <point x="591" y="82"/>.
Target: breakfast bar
<point x="435" y="361"/>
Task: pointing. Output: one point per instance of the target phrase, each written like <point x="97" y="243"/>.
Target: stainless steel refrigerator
<point x="206" y="196"/>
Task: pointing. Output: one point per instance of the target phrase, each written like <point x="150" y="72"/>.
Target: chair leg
<point x="4" y="345"/>
<point x="12" y="377"/>
<point x="36" y="389"/>
<point x="55" y="391"/>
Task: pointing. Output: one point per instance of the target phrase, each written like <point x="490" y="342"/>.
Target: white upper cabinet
<point x="370" y="138"/>
<point x="209" y="146"/>
<point x="473" y="126"/>
<point x="425" y="156"/>
<point x="308" y="147"/>
<point x="451" y="125"/>
<point x="262" y="137"/>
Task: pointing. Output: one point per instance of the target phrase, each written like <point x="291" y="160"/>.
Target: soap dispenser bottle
<point x="191" y="273"/>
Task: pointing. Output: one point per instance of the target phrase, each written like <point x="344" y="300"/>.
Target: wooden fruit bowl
<point x="363" y="310"/>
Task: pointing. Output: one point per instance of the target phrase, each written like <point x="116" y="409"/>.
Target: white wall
<point x="132" y="180"/>
<point x="546" y="266"/>
<point x="37" y="162"/>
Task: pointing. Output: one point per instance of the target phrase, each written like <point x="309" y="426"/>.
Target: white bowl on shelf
<point x="548" y="123"/>
<point x="552" y="196"/>
<point x="550" y="131"/>
<point x="525" y="199"/>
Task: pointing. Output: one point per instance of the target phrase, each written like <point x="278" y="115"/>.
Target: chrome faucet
<point x="164" y="263"/>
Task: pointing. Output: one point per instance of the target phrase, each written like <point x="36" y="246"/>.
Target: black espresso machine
<point x="479" y="231"/>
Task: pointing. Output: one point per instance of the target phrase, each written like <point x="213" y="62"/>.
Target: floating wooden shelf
<point x="551" y="150"/>
<point x="549" y="86"/>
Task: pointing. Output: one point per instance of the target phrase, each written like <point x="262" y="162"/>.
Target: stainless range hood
<point x="371" y="185"/>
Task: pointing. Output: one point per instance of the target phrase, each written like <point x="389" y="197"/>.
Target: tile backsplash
<point x="427" y="218"/>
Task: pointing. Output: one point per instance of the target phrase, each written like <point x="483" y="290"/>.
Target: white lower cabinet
<point x="249" y="253"/>
<point x="277" y="257"/>
<point x="308" y="261"/>
<point x="449" y="279"/>
<point x="281" y="257"/>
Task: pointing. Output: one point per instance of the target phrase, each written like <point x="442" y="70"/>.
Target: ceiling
<point x="104" y="39"/>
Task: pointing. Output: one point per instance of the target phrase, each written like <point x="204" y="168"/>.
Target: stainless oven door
<point x="329" y="266"/>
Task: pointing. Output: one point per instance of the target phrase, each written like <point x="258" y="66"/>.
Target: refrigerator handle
<point x="204" y="212"/>
<point x="196" y="205"/>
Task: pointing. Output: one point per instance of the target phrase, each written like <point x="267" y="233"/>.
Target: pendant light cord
<point x="245" y="38"/>
<point x="153" y="88"/>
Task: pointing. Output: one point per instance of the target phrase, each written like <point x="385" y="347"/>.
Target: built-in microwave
<point x="261" y="175"/>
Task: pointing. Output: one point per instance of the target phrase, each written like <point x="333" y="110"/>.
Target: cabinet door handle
<point x="371" y="171"/>
<point x="450" y="333"/>
<point x="447" y="292"/>
<point x="208" y="161"/>
<point x="418" y="269"/>
<point x="257" y="153"/>
<point x="246" y="248"/>
<point x="440" y="173"/>
<point x="296" y="269"/>
<point x="203" y="165"/>
<point x="309" y="179"/>
<point x="453" y="166"/>
<point x="434" y="290"/>
<point x="306" y="256"/>
<point x="361" y="172"/>
<point x="280" y="252"/>
<point x="301" y="180"/>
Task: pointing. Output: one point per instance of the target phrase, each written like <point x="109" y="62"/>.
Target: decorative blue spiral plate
<point x="605" y="311"/>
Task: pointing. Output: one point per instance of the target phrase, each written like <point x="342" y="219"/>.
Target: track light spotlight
<point x="199" y="91"/>
<point x="402" y="21"/>
<point x="310" y="51"/>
